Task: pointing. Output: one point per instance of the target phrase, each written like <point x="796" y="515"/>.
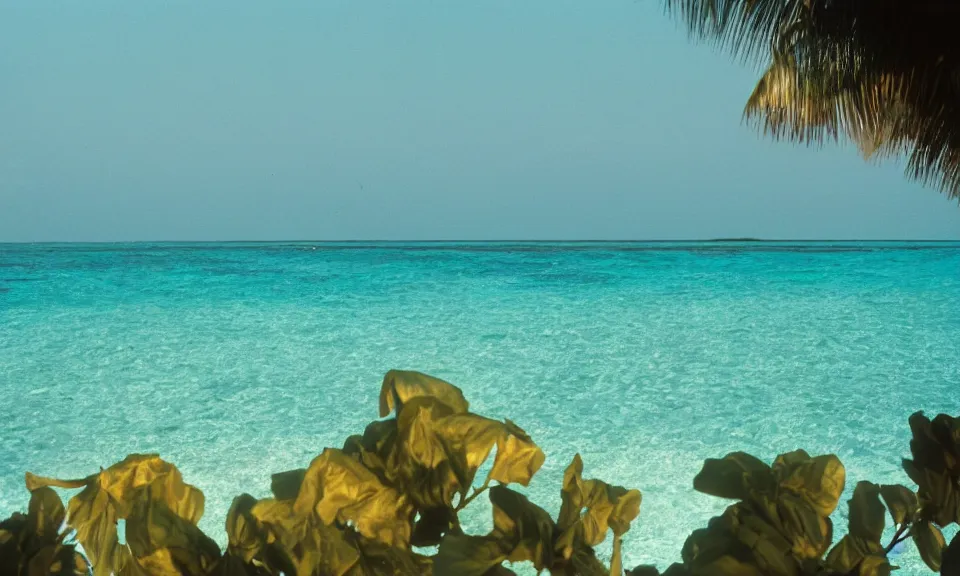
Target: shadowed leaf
<point x="930" y="543"/>
<point x="165" y="544"/>
<point x="525" y="528"/>
<point x="286" y="485"/>
<point x="463" y="555"/>
<point x="431" y="526"/>
<point x="845" y="556"/>
<point x="522" y="532"/>
<point x="643" y="570"/>
<point x="900" y="501"/>
<point x="732" y="476"/>
<point x="810" y="533"/>
<point x="301" y="543"/>
<point x="951" y="558"/>
<point x="867" y="512"/>
<point x="45" y="515"/>
<point x="875" y="565"/>
<point x="377" y="559"/>
<point x="243" y="534"/>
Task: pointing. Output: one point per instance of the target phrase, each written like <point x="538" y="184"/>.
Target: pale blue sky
<point x="360" y="119"/>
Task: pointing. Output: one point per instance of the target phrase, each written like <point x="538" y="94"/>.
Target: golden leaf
<point x="606" y="507"/>
<point x="404" y="385"/>
<point x="338" y="488"/>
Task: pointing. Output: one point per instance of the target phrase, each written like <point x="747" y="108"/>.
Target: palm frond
<point x="883" y="73"/>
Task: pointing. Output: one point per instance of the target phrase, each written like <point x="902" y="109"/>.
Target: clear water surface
<point x="238" y="360"/>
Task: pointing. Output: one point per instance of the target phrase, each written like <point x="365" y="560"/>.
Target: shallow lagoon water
<point x="238" y="360"/>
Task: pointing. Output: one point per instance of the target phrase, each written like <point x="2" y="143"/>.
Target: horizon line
<point x="503" y="241"/>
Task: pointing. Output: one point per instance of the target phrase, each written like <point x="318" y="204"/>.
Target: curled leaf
<point x="590" y="507"/>
<point x="404" y="385"/>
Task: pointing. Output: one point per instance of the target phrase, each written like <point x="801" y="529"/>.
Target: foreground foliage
<point x="381" y="503"/>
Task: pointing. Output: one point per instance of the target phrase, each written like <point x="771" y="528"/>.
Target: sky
<point x="125" y="120"/>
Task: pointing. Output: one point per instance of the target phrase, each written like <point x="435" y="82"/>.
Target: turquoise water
<point x="238" y="360"/>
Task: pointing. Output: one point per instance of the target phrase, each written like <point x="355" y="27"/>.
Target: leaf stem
<point x="901" y="534"/>
<point x="476" y="492"/>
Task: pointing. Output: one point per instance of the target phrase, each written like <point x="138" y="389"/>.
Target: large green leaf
<point x="951" y="558"/>
<point x="526" y="527"/>
<point x="431" y="525"/>
<point x="464" y="555"/>
<point x="301" y="544"/>
<point x="244" y="537"/>
<point x="112" y="494"/>
<point x="517" y="459"/>
<point x="930" y="543"/>
<point x="900" y="501"/>
<point x="439" y="452"/>
<point x="45" y="515"/>
<point x="93" y="514"/>
<point x="875" y="565"/>
<point x="706" y="545"/>
<point x="339" y="489"/>
<point x="925" y="448"/>
<point x="522" y="532"/>
<point x="404" y="385"/>
<point x="376" y="449"/>
<point x="809" y="533"/>
<point x="732" y="476"/>
<point x="417" y="428"/>
<point x="286" y="485"/>
<point x="165" y="544"/>
<point x="56" y="560"/>
<point x="728" y="566"/>
<point x="772" y="552"/>
<point x="817" y="480"/>
<point x="378" y="559"/>
<point x="845" y="556"/>
<point x="946" y="429"/>
<point x="866" y="512"/>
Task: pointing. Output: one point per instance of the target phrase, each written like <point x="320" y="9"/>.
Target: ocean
<point x="238" y="360"/>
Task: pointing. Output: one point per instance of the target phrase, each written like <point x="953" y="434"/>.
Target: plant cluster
<point x="388" y="503"/>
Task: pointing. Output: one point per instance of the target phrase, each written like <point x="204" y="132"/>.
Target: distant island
<point x="736" y="240"/>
